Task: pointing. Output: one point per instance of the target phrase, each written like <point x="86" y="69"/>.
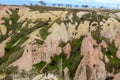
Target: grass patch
<point x="114" y="62"/>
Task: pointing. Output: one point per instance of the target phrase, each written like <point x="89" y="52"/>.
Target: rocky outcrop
<point x="118" y="53"/>
<point x="117" y="77"/>
<point x="21" y="11"/>
<point x="103" y="44"/>
<point x="117" y="44"/>
<point x="63" y="26"/>
<point x="3" y="30"/>
<point x="2" y="50"/>
<point x="34" y="54"/>
<point x="24" y="62"/>
<point x="66" y="74"/>
<point x="2" y="47"/>
<point x="81" y="13"/>
<point x="106" y="59"/>
<point x="67" y="50"/>
<point x="51" y="44"/>
<point x="110" y="28"/>
<point x="91" y="67"/>
<point x="117" y="40"/>
<point x="87" y="45"/>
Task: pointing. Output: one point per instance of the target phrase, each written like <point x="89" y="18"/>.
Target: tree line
<point x="43" y="3"/>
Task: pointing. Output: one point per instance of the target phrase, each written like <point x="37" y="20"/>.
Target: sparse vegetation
<point x="75" y="57"/>
<point x="111" y="53"/>
<point x="11" y="24"/>
<point x="113" y="60"/>
<point x="13" y="52"/>
<point x="19" y="34"/>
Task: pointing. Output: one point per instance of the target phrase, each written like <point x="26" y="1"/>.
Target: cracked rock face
<point x="91" y="67"/>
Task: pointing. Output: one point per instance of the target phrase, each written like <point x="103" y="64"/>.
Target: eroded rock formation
<point x="99" y="47"/>
<point x="91" y="67"/>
